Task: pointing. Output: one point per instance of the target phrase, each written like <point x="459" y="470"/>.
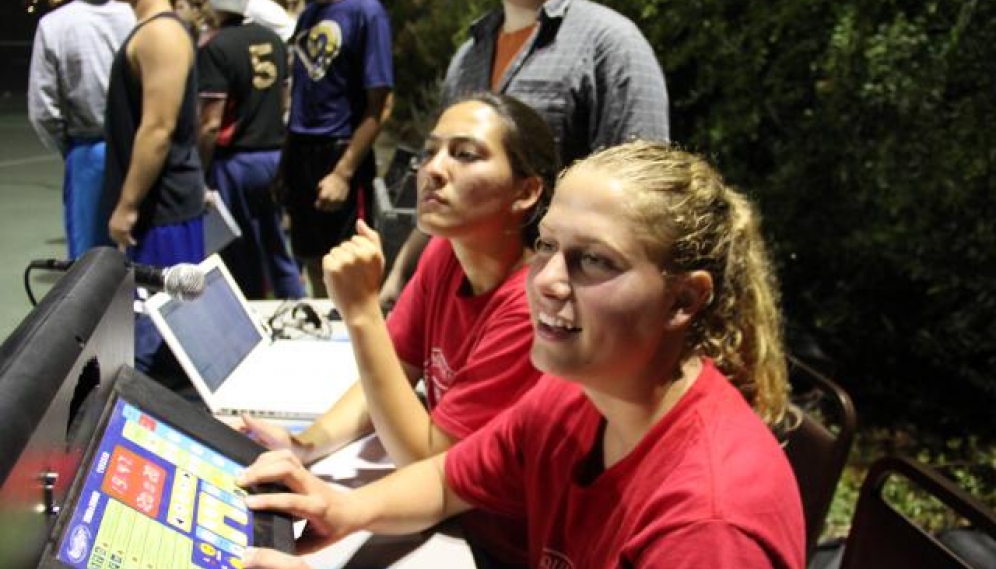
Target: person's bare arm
<point x="401" y="420"/>
<point x="344" y="422"/>
<point x="383" y="397"/>
<point x="161" y="54"/>
<point x="407" y="501"/>
<point x="385" y="113"/>
<point x="212" y="112"/>
<point x="333" y="188"/>
<point x="353" y="272"/>
<point x="347" y="420"/>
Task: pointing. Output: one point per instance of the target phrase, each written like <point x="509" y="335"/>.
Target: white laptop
<point x="234" y="364"/>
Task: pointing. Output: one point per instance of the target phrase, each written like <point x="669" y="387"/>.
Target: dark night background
<point x="17" y="27"/>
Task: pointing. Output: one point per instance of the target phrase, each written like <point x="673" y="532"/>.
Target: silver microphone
<point x="183" y="281"/>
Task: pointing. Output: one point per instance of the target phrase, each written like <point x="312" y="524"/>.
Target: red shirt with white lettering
<point x="474" y="352"/>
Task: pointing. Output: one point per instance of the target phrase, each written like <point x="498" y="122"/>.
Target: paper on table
<point x="351" y="462"/>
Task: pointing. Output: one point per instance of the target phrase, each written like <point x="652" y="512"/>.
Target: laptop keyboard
<point x="263" y="414"/>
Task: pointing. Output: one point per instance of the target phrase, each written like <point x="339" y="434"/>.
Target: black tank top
<point x="177" y="194"/>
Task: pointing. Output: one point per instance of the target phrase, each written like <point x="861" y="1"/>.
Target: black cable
<point x="47" y="264"/>
<point x="274" y="322"/>
<point x="27" y="285"/>
<point x="294" y="319"/>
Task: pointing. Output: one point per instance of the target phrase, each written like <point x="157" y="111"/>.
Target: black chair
<point x="395" y="197"/>
<point x="881" y="537"/>
<point x="817" y="447"/>
<point x="395" y="193"/>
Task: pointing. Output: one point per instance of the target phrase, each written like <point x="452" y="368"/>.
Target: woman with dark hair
<point x="647" y="443"/>
<point x="462" y="324"/>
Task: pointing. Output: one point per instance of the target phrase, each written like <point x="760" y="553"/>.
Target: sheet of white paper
<point x="364" y="456"/>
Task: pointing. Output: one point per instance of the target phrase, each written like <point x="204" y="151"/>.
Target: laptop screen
<point x="215" y="330"/>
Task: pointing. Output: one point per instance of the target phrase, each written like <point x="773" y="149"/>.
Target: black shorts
<point x="306" y="160"/>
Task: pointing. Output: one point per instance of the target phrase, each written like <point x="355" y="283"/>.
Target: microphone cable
<point x="46" y="264"/>
<point x="27" y="285"/>
<point x="183" y="281"/>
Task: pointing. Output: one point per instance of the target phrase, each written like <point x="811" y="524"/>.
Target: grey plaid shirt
<point x="587" y="69"/>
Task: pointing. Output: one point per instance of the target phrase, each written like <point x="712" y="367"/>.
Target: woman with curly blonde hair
<point x="692" y="221"/>
<point x="647" y="441"/>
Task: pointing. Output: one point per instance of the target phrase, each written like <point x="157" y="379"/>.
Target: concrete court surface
<point x="30" y="211"/>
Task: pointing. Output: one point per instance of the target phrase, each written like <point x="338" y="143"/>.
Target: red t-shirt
<point x="474" y="352"/>
<point x="708" y="486"/>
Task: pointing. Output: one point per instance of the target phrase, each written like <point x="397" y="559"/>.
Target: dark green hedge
<point x="865" y="131"/>
<point x="426" y="34"/>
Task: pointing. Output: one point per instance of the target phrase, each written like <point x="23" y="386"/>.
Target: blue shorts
<point x="84" y="220"/>
<point x="167" y="245"/>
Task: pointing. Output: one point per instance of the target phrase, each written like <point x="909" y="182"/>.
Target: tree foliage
<point x="426" y="35"/>
<point x="863" y="129"/>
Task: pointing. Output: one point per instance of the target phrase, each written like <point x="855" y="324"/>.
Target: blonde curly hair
<point x="691" y="220"/>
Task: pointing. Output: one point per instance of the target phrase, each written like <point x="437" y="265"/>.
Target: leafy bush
<point x="968" y="461"/>
<point x="862" y="130"/>
<point x="426" y="35"/>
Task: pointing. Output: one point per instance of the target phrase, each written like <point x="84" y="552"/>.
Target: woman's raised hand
<point x="353" y="271"/>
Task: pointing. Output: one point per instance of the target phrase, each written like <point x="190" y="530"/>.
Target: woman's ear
<point x="692" y="292"/>
<point x="530" y="190"/>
